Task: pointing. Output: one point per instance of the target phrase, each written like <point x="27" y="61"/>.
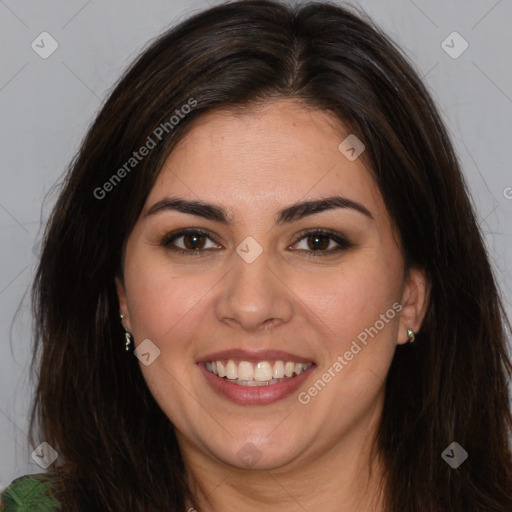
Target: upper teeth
<point x="260" y="371"/>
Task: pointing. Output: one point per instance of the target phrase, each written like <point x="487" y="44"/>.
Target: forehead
<point x="269" y="156"/>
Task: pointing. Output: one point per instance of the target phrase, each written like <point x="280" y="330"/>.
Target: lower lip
<point x="254" y="395"/>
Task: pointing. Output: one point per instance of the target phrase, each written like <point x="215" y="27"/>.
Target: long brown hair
<point x="117" y="449"/>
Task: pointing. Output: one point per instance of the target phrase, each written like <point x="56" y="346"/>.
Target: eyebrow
<point x="291" y="213"/>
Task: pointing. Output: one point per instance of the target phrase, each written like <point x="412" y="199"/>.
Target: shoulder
<point x="31" y="492"/>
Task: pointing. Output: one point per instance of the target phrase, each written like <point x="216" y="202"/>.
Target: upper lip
<point x="253" y="356"/>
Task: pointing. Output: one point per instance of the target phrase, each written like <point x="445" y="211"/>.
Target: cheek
<point x="355" y="300"/>
<point x="160" y="303"/>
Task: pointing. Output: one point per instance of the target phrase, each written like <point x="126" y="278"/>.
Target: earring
<point x="411" y="335"/>
<point x="127" y="336"/>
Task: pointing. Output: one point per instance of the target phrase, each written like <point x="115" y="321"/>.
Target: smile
<point x="260" y="373"/>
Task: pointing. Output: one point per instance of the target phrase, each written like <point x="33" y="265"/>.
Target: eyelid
<point x="340" y="239"/>
<point x="171" y="237"/>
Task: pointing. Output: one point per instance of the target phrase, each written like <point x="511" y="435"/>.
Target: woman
<point x="268" y="209"/>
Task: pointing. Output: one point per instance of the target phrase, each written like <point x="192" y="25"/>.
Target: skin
<point x="314" y="456"/>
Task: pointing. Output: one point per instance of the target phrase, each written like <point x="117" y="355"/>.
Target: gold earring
<point x="411" y="335"/>
<point x="127" y="336"/>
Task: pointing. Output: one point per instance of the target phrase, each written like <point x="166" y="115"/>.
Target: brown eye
<point x="318" y="242"/>
<point x="322" y="242"/>
<point x="194" y="241"/>
<point x="189" y="241"/>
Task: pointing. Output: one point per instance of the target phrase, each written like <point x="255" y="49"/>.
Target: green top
<point x="30" y="493"/>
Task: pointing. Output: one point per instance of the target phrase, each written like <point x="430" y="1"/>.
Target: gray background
<point x="47" y="104"/>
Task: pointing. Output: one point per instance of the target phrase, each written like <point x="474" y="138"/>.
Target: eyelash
<point x="342" y="241"/>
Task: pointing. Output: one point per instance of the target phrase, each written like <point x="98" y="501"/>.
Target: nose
<point x="254" y="297"/>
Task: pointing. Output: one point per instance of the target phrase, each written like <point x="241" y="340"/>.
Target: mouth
<point x="255" y="378"/>
<point x="260" y="373"/>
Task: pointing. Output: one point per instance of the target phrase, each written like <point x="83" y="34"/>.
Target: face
<point x="256" y="291"/>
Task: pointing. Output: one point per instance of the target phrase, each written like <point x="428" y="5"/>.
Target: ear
<point x="415" y="297"/>
<point x="123" y="305"/>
